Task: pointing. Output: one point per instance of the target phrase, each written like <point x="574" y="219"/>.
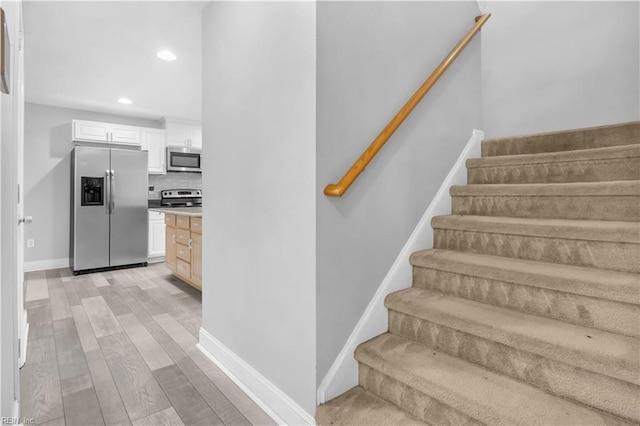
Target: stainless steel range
<point x="181" y="198"/>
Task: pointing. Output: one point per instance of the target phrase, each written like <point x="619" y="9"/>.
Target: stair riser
<point x="558" y="172"/>
<point x="602" y="314"/>
<point x="340" y="411"/>
<point x="596" y="390"/>
<point x="416" y="403"/>
<point x="593" y="254"/>
<point x="618" y="135"/>
<point x="627" y="208"/>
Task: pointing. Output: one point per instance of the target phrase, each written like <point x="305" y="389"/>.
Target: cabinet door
<point x="170" y="248"/>
<point x="153" y="140"/>
<point x="195" y="136"/>
<point x="156" y="238"/>
<point x="90" y="131"/>
<point x="177" y="134"/>
<point x="196" y="258"/>
<point x="125" y="134"/>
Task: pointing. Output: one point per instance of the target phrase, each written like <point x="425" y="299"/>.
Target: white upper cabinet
<point x="93" y="131"/>
<point x="182" y="133"/>
<point x="196" y="136"/>
<point x="125" y="134"/>
<point x="90" y="131"/>
<point x="177" y="134"/>
<point x="153" y="140"/>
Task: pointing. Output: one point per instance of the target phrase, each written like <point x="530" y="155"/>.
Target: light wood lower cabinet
<point x="196" y="257"/>
<point x="184" y="248"/>
<point x="170" y="247"/>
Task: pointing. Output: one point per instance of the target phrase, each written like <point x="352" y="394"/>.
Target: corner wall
<point x="550" y="66"/>
<point x="259" y="238"/>
<point x="372" y="56"/>
<point x="47" y="177"/>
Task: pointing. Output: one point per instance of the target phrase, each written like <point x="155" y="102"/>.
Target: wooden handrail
<point x="336" y="190"/>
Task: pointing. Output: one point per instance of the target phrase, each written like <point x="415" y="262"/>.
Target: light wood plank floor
<point x="118" y="348"/>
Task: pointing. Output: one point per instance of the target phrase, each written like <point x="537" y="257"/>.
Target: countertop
<point x="183" y="211"/>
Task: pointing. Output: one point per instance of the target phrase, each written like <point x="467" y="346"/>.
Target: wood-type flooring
<point x="119" y="348"/>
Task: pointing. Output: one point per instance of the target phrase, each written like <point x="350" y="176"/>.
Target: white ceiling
<point x="88" y="54"/>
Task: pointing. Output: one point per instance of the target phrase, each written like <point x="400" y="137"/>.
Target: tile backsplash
<point x="174" y="180"/>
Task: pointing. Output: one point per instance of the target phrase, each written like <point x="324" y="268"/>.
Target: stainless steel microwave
<point x="184" y="159"/>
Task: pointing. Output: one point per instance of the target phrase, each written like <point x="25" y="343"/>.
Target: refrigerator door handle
<point x="107" y="193"/>
<point x="112" y="195"/>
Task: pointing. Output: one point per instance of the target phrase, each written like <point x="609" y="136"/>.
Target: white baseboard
<point x="41" y="265"/>
<point x="343" y="374"/>
<point x="156" y="259"/>
<point x="24" y="339"/>
<point x="16" y="412"/>
<point x="280" y="407"/>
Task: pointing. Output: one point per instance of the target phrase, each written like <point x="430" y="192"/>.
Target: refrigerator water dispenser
<point x="92" y="191"/>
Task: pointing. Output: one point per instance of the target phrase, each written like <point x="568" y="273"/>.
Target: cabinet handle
<point x="173" y="238"/>
<point x="190" y="241"/>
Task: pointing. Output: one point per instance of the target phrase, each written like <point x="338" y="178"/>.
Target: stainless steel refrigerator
<point x="109" y="208"/>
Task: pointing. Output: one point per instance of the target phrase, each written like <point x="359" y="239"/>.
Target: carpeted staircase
<point x="527" y="309"/>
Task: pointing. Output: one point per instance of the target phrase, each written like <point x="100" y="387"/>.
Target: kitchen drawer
<point x="196" y="225"/>
<point x="183" y="252"/>
<point x="182" y="222"/>
<point x="170" y="220"/>
<point x="183" y="269"/>
<point x="183" y="236"/>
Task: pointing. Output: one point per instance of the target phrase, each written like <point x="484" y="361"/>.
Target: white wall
<point x="550" y="66"/>
<point x="372" y="56"/>
<point x="47" y="175"/>
<point x="259" y="213"/>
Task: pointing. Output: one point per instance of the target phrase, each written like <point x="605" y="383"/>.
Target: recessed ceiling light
<point x="167" y="55"/>
<point x="125" y="101"/>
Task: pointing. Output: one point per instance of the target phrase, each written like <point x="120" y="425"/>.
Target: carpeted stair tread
<point x="586" y="165"/>
<point x="590" y="230"/>
<point x="477" y="392"/>
<point x="359" y="407"/>
<point x="571" y="189"/>
<point x="611" y="152"/>
<point x="610" y="245"/>
<point x="592" y="282"/>
<point x="610" y="354"/>
<point x="575" y="200"/>
<point x="568" y="140"/>
<point x="576" y="295"/>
